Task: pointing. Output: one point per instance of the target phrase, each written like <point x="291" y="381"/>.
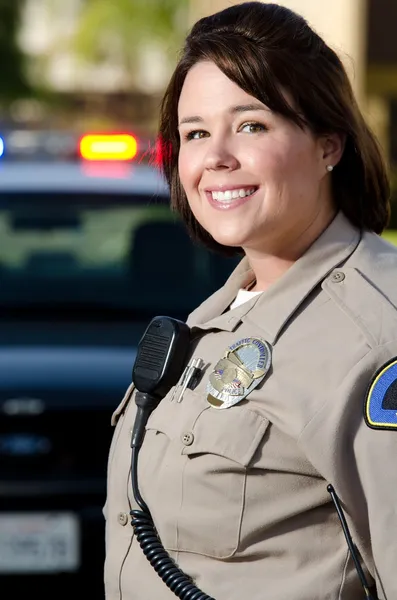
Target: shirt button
<point x="337" y="276"/>
<point x="122" y="518"/>
<point x="187" y="438"/>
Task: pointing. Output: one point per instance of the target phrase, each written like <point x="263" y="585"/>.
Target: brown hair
<point x="267" y="49"/>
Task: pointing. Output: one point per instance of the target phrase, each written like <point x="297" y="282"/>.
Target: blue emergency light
<point x="1" y="147"/>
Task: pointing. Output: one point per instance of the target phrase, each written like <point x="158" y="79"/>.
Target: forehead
<point x="206" y="87"/>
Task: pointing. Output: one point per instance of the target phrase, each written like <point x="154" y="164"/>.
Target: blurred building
<point x="382" y="68"/>
<point x="48" y="27"/>
<point x="361" y="31"/>
<point x="102" y="91"/>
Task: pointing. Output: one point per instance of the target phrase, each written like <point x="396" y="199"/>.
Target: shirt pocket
<point x="207" y="483"/>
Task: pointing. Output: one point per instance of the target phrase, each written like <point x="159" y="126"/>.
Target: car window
<point x="107" y="251"/>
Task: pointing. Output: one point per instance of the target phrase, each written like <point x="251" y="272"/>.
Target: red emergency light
<point x="111" y="146"/>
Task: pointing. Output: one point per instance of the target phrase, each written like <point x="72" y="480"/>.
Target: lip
<point x="228" y="206"/>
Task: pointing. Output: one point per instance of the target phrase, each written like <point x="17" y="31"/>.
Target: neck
<point x="270" y="264"/>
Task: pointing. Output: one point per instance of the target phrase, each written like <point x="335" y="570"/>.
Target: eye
<point x="253" y="127"/>
<point x="196" y="134"/>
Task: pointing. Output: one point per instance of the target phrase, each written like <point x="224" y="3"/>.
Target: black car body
<point x="88" y="255"/>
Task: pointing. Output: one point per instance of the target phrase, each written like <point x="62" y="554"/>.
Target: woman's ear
<point x="333" y="145"/>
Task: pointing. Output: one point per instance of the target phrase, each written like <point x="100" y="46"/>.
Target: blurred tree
<point x="13" y="81"/>
<point x="120" y="31"/>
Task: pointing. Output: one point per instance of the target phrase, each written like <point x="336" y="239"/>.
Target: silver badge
<point x="241" y="369"/>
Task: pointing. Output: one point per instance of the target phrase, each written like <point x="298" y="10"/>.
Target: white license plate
<point x="39" y="542"/>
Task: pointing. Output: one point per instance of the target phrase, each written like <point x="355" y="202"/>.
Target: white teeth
<point x="230" y="195"/>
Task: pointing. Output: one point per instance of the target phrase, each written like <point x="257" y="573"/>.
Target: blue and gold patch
<point x="380" y="408"/>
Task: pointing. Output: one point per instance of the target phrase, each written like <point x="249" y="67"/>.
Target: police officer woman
<point x="292" y="427"/>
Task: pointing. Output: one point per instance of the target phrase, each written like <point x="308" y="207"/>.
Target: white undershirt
<point x="243" y="296"/>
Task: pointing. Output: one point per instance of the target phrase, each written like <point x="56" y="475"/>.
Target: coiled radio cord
<point x="141" y="520"/>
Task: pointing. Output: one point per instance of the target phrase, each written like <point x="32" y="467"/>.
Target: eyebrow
<point x="239" y="108"/>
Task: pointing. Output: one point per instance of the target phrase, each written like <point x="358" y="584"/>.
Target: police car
<point x="90" y="252"/>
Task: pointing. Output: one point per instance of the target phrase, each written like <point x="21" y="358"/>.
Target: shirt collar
<point x="275" y="307"/>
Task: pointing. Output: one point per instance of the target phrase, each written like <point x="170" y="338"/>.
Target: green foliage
<point x="13" y="83"/>
<point x="391" y="236"/>
<point x="118" y="29"/>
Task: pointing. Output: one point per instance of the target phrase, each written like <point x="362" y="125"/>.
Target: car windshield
<point x="99" y="251"/>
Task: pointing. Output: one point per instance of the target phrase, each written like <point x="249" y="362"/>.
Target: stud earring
<point x="330" y="168"/>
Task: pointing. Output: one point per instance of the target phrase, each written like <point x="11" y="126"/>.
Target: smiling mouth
<point x="228" y="196"/>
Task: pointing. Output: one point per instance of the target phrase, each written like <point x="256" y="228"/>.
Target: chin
<point x="234" y="241"/>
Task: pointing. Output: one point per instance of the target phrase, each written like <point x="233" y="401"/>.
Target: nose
<point x="220" y="157"/>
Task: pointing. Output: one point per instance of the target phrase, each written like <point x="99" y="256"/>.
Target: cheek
<point x="182" y="170"/>
<point x="272" y="161"/>
<point x="294" y="167"/>
<point x="188" y="170"/>
<point x="303" y="155"/>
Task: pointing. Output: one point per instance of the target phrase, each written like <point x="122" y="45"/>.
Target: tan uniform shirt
<point x="239" y="496"/>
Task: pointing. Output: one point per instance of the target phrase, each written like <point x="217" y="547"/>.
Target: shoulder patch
<point x="380" y="409"/>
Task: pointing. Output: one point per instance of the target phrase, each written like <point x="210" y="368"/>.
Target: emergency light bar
<point x="119" y="147"/>
<point x="1" y="147"/>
